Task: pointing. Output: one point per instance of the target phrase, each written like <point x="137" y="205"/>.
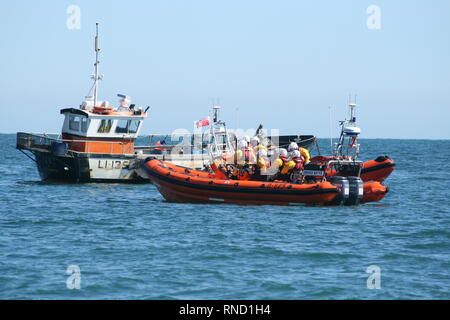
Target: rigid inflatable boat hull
<point x="378" y="169"/>
<point x="196" y="186"/>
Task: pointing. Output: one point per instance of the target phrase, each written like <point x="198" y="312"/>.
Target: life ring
<point x="103" y="110"/>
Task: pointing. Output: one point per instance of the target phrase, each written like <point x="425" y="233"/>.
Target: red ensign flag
<point x="202" y="123"/>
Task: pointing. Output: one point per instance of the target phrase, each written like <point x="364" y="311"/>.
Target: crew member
<point x="278" y="164"/>
<point x="245" y="160"/>
<point x="303" y="151"/>
<point x="261" y="167"/>
<point x="294" y="166"/>
<point x="257" y="145"/>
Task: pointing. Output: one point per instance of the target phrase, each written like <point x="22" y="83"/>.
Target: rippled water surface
<point x="131" y="244"/>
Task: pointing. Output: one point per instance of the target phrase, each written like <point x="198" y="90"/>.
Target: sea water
<point x="113" y="241"/>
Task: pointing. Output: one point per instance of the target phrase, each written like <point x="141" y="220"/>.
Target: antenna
<point x="96" y="76"/>
<point x="216" y="114"/>
<point x="237" y="117"/>
<point x="331" y="130"/>
<point x="352" y="107"/>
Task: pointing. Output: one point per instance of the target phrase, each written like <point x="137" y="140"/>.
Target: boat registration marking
<point x="313" y="173"/>
<point x="113" y="164"/>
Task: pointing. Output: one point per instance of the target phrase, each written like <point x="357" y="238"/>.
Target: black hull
<point x="74" y="169"/>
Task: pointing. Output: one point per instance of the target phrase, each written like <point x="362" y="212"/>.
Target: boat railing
<point x="346" y="167"/>
<point x="43" y="141"/>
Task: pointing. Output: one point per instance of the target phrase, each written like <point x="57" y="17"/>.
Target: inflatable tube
<point x="373" y="170"/>
<point x="378" y="169"/>
<point x="187" y="185"/>
<point x="374" y="191"/>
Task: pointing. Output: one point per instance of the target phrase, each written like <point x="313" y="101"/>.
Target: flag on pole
<point x="202" y="123"/>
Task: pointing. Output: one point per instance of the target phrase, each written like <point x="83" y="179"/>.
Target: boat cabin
<point x="102" y="128"/>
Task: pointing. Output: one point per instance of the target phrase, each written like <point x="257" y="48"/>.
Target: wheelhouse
<point x="96" y="131"/>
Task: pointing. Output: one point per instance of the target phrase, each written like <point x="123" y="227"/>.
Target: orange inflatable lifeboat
<point x="181" y="184"/>
<point x="187" y="185"/>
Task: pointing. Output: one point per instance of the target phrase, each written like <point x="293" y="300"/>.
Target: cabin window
<point x="84" y="124"/>
<point x="127" y="126"/>
<point x="122" y="126"/>
<point x="134" y="126"/>
<point x="74" y="123"/>
<point x="105" y="126"/>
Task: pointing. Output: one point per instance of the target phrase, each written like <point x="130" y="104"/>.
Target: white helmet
<point x="262" y="153"/>
<point x="246" y="138"/>
<point x="295" y="154"/>
<point x="293" y="146"/>
<point x="242" y="144"/>
<point x="282" y="152"/>
<point x="254" y="141"/>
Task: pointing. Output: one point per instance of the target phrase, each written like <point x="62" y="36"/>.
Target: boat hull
<point x="195" y="186"/>
<point x="85" y="168"/>
<point x="378" y="169"/>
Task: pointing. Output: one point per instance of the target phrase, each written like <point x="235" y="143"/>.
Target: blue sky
<point x="282" y="63"/>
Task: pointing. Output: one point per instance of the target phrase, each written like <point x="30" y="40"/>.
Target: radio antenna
<point x="331" y="131"/>
<point x="96" y="76"/>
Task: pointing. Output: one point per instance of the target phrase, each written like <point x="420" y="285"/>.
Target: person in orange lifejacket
<point x="245" y="160"/>
<point x="160" y="150"/>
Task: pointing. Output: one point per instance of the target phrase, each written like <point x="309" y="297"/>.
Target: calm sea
<point x="129" y="243"/>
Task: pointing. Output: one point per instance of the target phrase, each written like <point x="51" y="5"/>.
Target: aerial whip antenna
<point x="331" y="130"/>
<point x="96" y="76"/>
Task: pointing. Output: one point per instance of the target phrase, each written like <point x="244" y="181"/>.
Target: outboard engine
<point x="342" y="183"/>
<point x="356" y="191"/>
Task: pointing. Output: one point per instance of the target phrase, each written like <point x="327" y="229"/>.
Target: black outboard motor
<point x="342" y="184"/>
<point x="351" y="190"/>
<point x="356" y="191"/>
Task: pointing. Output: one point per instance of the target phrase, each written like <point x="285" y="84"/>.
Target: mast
<point x="347" y="143"/>
<point x="96" y="76"/>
